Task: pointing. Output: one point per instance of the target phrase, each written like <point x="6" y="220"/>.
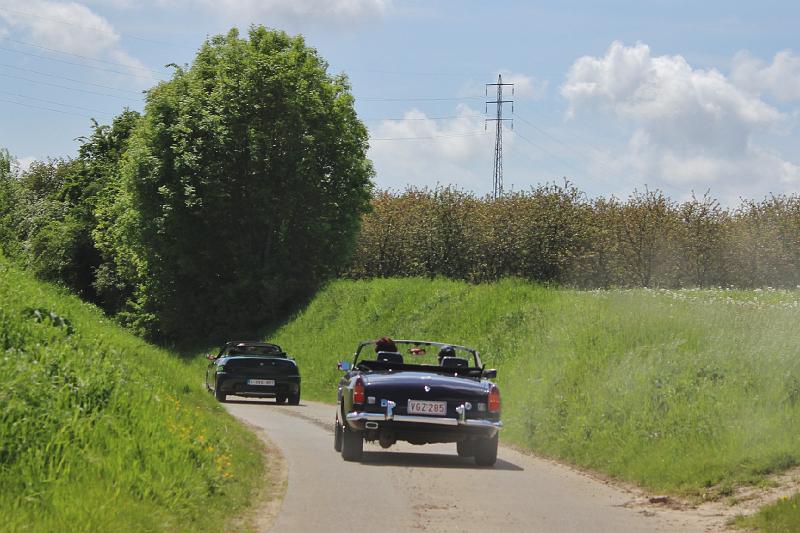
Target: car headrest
<point x="455" y="362"/>
<point x="390" y="357"/>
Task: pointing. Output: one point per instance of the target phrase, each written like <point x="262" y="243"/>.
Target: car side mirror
<point x="491" y="373"/>
<point x="343" y="365"/>
<point x="211" y="357"/>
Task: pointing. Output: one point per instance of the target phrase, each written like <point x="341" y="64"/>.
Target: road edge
<point x="266" y="504"/>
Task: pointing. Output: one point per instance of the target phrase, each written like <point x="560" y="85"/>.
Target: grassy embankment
<point x="100" y="431"/>
<point x="689" y="391"/>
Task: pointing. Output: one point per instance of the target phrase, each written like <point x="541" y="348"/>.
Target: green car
<point x="253" y="369"/>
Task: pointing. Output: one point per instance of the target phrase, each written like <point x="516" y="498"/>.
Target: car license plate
<point x="421" y="407"/>
<point x="267" y="382"/>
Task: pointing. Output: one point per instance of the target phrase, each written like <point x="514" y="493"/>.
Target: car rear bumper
<point x="359" y="420"/>
<point x="238" y="386"/>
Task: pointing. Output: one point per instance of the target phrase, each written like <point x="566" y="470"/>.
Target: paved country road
<point x="429" y="488"/>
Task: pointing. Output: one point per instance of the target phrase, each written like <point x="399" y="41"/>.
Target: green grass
<point x="689" y="392"/>
<point x="100" y="431"/>
<point x="781" y="517"/>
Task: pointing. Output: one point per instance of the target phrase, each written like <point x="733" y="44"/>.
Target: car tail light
<point x="494" y="400"/>
<point x="359" y="395"/>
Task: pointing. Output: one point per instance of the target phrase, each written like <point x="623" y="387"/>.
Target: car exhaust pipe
<point x="386" y="439"/>
<point x="371" y="425"/>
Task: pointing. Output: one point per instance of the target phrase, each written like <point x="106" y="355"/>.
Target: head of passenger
<point x="385" y="344"/>
<point x="446" y="351"/>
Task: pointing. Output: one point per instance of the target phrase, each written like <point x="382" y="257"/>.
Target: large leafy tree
<point x="242" y="188"/>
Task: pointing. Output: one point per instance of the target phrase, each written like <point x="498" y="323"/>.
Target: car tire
<point x="219" y="395"/>
<point x="486" y="451"/>
<point x="280" y="399"/>
<point x="294" y="399"/>
<point x="337" y="435"/>
<point x="465" y="448"/>
<point x="352" y="444"/>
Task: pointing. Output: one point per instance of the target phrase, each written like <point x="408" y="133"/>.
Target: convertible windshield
<point x="257" y="349"/>
<point x="427" y="353"/>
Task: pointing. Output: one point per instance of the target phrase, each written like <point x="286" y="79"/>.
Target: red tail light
<point x="358" y="391"/>
<point x="494" y="400"/>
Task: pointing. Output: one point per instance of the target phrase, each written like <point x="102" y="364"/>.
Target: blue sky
<point x="681" y="96"/>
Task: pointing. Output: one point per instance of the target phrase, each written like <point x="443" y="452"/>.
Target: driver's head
<point x="446" y="351"/>
<point x="385" y="344"/>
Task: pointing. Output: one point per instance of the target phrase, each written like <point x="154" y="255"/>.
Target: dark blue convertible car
<point x="425" y="392"/>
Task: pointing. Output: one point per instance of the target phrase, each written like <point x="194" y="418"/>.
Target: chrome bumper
<point x="436" y="421"/>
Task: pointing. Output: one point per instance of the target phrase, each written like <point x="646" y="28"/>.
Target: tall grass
<point x="688" y="391"/>
<point x="100" y="431"/>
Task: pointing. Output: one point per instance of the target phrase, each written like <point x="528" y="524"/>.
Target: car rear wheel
<point x="465" y="448"/>
<point x="486" y="451"/>
<point x="352" y="444"/>
<point x="219" y="395"/>
<point x="294" y="399"/>
<point x="337" y="435"/>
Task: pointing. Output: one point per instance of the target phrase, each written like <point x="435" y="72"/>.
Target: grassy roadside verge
<point x="690" y="392"/>
<point x="781" y="517"/>
<point x="100" y="431"/>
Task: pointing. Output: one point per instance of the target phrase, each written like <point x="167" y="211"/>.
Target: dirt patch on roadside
<point x="261" y="516"/>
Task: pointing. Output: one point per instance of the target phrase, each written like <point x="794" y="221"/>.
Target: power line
<point x="404" y="119"/>
<point x="57" y="103"/>
<point x="448" y="136"/>
<point x="609" y="170"/>
<point x="410" y="73"/>
<point x="84" y="65"/>
<point x="44" y="108"/>
<point x="146" y="69"/>
<point x="39" y="82"/>
<point x="82" y="82"/>
<point x="417" y="99"/>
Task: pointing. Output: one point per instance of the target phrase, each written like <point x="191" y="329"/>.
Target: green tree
<point x="8" y="194"/>
<point x="243" y="187"/>
<point x="52" y="207"/>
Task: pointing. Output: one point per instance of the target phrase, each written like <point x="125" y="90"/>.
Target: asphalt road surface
<point x="430" y="488"/>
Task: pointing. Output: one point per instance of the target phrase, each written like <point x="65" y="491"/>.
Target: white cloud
<point x="69" y="27"/>
<point x="693" y="128"/>
<point x="422" y="151"/>
<point x="780" y="79"/>
<point x="340" y="12"/>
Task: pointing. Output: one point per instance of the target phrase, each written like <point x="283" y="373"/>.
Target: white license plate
<point x="421" y="407"/>
<point x="267" y="382"/>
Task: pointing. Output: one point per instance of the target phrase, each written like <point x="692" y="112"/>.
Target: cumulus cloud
<point x="69" y="27"/>
<point x="691" y="127"/>
<point x="301" y="12"/>
<point x="780" y="79"/>
<point x="420" y="150"/>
